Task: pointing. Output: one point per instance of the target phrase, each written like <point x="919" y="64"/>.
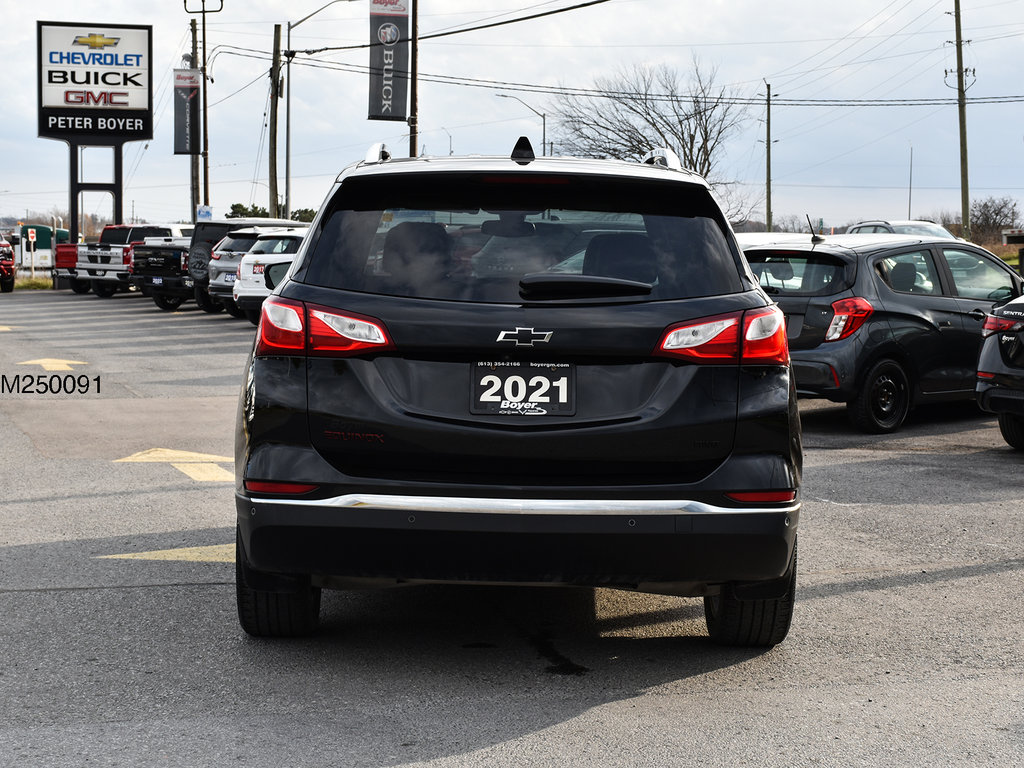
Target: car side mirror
<point x="274" y="274"/>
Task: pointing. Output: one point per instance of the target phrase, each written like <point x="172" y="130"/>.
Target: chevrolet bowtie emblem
<point x="96" y="40"/>
<point x="525" y="337"/>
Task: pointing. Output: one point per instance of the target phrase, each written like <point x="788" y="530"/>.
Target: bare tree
<point x="642" y="107"/>
<point x="990" y="216"/>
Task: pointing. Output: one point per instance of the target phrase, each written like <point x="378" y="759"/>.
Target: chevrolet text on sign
<point x="95" y="82"/>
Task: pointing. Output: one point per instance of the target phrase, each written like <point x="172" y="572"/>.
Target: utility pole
<point x="961" y="106"/>
<point x="768" y="159"/>
<point x="275" y="80"/>
<point x="413" y="117"/>
<point x="193" y="159"/>
<point x="206" y="129"/>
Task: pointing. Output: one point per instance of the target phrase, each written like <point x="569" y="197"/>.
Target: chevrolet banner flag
<point x="389" y="59"/>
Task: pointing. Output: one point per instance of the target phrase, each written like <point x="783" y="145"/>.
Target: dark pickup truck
<point x="160" y="270"/>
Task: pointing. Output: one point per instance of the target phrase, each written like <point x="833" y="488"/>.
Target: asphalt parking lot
<point x="121" y="644"/>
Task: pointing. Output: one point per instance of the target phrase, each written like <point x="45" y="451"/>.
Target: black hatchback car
<point x="1000" y="385"/>
<point x="882" y="322"/>
<point x="444" y="390"/>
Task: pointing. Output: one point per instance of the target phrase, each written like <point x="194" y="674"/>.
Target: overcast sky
<point x="833" y="162"/>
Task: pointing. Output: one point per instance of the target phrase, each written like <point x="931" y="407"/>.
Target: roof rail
<point x="377" y="153"/>
<point x="664" y="157"/>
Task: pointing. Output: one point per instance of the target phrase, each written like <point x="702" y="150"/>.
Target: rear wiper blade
<point x="553" y="285"/>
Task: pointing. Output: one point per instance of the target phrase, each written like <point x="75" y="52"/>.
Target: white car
<point x="250" y="286"/>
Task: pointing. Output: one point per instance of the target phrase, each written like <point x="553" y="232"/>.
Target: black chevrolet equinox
<point x="519" y="370"/>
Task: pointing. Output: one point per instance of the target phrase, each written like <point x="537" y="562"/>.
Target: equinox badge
<point x="525" y="337"/>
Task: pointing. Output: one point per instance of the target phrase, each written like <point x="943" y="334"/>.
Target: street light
<point x="288" y="107"/>
<point x="543" y="121"/>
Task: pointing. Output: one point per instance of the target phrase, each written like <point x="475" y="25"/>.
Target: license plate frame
<point x="522" y="389"/>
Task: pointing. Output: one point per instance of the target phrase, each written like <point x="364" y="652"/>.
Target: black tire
<point x="7" y="286"/>
<point x="103" y="290"/>
<point x="757" y="623"/>
<point x="883" y="402"/>
<point x="233" y="309"/>
<point x="206" y="302"/>
<point x="79" y="286"/>
<point x="1012" y="427"/>
<point x="253" y="316"/>
<point x="263" y="613"/>
<point x="167" y="303"/>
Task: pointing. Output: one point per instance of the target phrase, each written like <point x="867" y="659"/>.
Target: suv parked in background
<point x="251" y="287"/>
<point x="225" y="259"/>
<point x="206" y="235"/>
<point x="920" y="227"/>
<point x="410" y="416"/>
<point x="105" y="266"/>
<point x="882" y="322"/>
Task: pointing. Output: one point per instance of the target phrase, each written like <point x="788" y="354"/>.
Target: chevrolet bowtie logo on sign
<point x="525" y="337"/>
<point x="96" y="40"/>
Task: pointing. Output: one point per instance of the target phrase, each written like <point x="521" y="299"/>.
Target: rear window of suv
<point x="474" y="237"/>
<point x="797" y="273"/>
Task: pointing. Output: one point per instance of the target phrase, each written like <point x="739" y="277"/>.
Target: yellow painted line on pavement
<point x="52" y="364"/>
<point x="169" y="456"/>
<point x="216" y="553"/>
<point x="6" y="328"/>
<point x="201" y="467"/>
<point x="205" y="473"/>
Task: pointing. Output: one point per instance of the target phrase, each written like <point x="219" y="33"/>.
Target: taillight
<point x="282" y="327"/>
<point x="262" y="486"/>
<point x="290" y="327"/>
<point x="762" y="497"/>
<point x="333" y="334"/>
<point x="995" y="324"/>
<point x="751" y="337"/>
<point x="129" y="252"/>
<point x="848" y="316"/>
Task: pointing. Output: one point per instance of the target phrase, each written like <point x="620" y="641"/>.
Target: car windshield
<point x="237" y="243"/>
<point x="925" y="228"/>
<point x="276" y="245"/>
<point x="796" y="273"/>
<point x="498" y="237"/>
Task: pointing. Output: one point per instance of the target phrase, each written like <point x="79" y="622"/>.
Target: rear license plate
<point x="158" y="281"/>
<point x="523" y="389"/>
<point x="229" y="277"/>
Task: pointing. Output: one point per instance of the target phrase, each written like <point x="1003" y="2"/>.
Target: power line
<point x="596" y="93"/>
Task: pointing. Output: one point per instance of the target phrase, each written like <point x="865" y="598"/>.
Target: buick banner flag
<point x="186" y="111"/>
<point x="389" y="59"/>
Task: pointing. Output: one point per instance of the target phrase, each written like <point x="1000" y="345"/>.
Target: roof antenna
<point x="815" y="237"/>
<point x="523" y="152"/>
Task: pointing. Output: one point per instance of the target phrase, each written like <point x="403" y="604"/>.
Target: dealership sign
<point x="389" y="59"/>
<point x="95" y="82"/>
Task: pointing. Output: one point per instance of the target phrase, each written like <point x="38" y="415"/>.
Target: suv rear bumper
<point x="672" y="546"/>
